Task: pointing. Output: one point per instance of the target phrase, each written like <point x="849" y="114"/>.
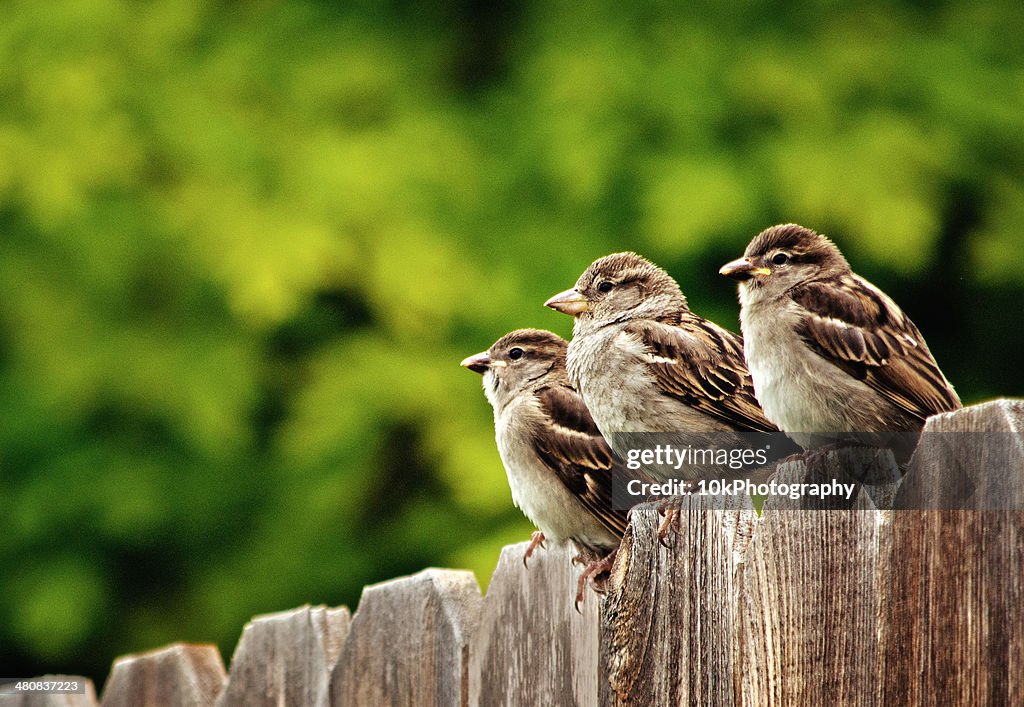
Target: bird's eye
<point x="605" y="286"/>
<point x="780" y="259"/>
<point x="515" y="354"/>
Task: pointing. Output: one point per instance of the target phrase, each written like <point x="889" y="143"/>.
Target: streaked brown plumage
<point x="645" y="363"/>
<point x="830" y="353"/>
<point x="559" y="466"/>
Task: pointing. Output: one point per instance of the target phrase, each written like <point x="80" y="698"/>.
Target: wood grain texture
<point x="532" y="647"/>
<point x="178" y="675"/>
<point x="808" y="595"/>
<point x="409" y="642"/>
<point x="668" y="624"/>
<point x="31" y="699"/>
<point x="286" y="659"/>
<point x="953" y="625"/>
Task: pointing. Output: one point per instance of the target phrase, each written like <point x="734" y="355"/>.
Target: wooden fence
<point x="790" y="607"/>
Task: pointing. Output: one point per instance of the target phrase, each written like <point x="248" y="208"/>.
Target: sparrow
<point x="559" y="466"/>
<point x="644" y="363"/>
<point x="833" y="358"/>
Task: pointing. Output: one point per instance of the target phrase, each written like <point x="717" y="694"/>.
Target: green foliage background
<point x="243" y="247"/>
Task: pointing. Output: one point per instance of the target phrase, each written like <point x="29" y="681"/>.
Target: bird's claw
<point x="536" y="540"/>
<point x="669" y="521"/>
<point x="591" y="571"/>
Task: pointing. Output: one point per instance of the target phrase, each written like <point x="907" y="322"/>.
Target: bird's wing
<point x="572" y="446"/>
<point x="854" y="325"/>
<point x="701" y="364"/>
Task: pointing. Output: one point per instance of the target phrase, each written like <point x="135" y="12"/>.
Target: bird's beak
<point x="479" y="363"/>
<point x="743" y="269"/>
<point x="569" y="302"/>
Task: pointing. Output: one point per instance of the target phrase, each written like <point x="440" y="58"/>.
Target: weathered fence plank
<point x="286" y="658"/>
<point x="953" y="628"/>
<point x="820" y="597"/>
<point x="409" y="642"/>
<point x="667" y="628"/>
<point x="808" y="599"/>
<point x="532" y="647"/>
<point x="969" y="459"/>
<point x="180" y="674"/>
<point x="87" y="698"/>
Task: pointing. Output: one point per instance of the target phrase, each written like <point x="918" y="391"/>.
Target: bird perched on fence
<point x="833" y="357"/>
<point x="644" y="363"/>
<point x="559" y="466"/>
